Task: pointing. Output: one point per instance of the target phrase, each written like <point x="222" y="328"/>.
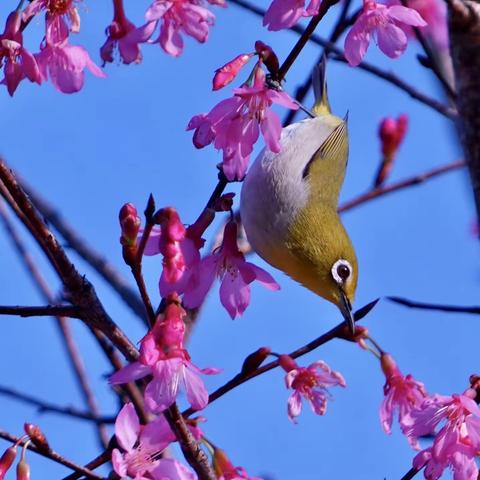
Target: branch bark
<point x="464" y="29"/>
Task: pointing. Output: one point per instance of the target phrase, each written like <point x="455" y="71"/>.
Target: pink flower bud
<point x="255" y="359"/>
<point x="268" y="56"/>
<point x="23" y="470"/>
<point x="36" y="436"/>
<point x="129" y="223"/>
<point x="391" y="133"/>
<point x="6" y="460"/>
<point x="226" y="74"/>
<point x="287" y="363"/>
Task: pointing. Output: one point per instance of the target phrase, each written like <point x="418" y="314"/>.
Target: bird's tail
<point x="319" y="81"/>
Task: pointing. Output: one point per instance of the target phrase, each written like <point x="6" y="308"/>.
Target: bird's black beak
<point x="346" y="309"/>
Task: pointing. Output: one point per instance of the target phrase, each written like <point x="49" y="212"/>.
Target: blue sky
<point x="123" y="137"/>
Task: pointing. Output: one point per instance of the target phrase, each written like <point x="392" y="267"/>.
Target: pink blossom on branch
<point x="403" y="394"/>
<point x="235" y="274"/>
<point x="286" y="13"/>
<point x="123" y="34"/>
<point x="386" y="25"/>
<point x="234" y="124"/>
<point x="162" y="355"/>
<point x="226" y="74"/>
<point x="141" y="444"/>
<point x="190" y="17"/>
<point x="310" y="383"/>
<point x="18" y="62"/>
<point x="457" y="443"/>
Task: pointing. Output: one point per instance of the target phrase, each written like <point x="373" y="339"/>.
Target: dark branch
<point x="46" y="311"/>
<point x="46" y="407"/>
<point x="432" y="306"/>
<point x="52" y="455"/>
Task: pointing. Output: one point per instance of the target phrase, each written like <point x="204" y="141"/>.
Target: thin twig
<point x="62" y="323"/>
<point x="98" y="461"/>
<point x="77" y="286"/>
<point x="45" y="407"/>
<point x="52" y="455"/>
<point x="336" y="332"/>
<point x="408" y="182"/>
<point x="44" y="311"/>
<point x="410" y="474"/>
<point x="107" y="271"/>
<point x="385" y="75"/>
<point x="432" y="306"/>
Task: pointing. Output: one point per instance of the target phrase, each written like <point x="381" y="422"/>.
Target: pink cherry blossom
<point x="65" y="64"/>
<point x="386" y="25"/>
<point x="123" y="34"/>
<point x="392" y="132"/>
<point x="61" y="18"/>
<point x="226" y="74"/>
<point x="235" y="274"/>
<point x="163" y="356"/>
<point x="176" y="16"/>
<point x="179" y="247"/>
<point x="457" y="443"/>
<point x="434" y="12"/>
<point x="19" y="63"/>
<point x="140" y="445"/>
<point x="310" y="383"/>
<point x="286" y="13"/>
<point x="234" y="124"/>
<point x="403" y="394"/>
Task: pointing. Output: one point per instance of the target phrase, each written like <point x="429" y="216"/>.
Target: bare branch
<point x="45" y="407"/>
<point x="52" y="455"/>
<point x="93" y="258"/>
<point x="45" y="311"/>
<point x="400" y="185"/>
<point x="432" y="306"/>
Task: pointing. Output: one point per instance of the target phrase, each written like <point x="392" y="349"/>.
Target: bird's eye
<point x="341" y="270"/>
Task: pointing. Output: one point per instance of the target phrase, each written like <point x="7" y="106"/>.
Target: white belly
<point x="274" y="190"/>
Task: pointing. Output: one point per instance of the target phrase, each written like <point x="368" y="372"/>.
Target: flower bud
<point x="255" y="359"/>
<point x="36" y="436"/>
<point x="129" y="223"/>
<point x="287" y="363"/>
<point x="226" y="74"/>
<point x="391" y="133"/>
<point x="23" y="470"/>
<point x="7" y="459"/>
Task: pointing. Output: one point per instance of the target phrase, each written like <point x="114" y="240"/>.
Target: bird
<point x="289" y="200"/>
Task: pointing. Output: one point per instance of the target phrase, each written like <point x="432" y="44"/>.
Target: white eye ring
<point x="341" y="278"/>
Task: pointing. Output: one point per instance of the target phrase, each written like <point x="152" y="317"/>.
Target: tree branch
<point x="45" y="311"/>
<point x="464" y="29"/>
<point x="93" y="258"/>
<point x="52" y="455"/>
<point x="77" y="286"/>
<point x="340" y="331"/>
<point x="44" y="406"/>
<point x="432" y="306"/>
<point x="400" y="185"/>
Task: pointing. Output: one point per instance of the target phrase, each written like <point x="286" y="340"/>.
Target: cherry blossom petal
<point x="357" y="42"/>
<point x="131" y="372"/>
<point x="197" y="394"/>
<point x="294" y="405"/>
<point x="171" y="469"/>
<point x="392" y="40"/>
<point x="406" y="15"/>
<point x="127" y="427"/>
<point x="162" y="391"/>
<point x="119" y="464"/>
